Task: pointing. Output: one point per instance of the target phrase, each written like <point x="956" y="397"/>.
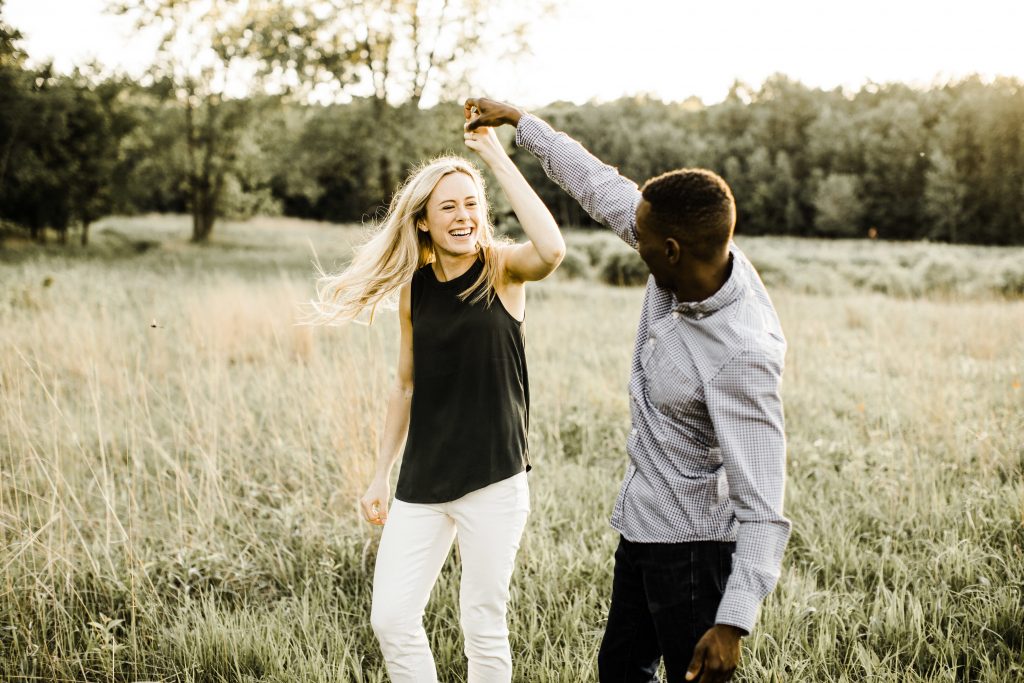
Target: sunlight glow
<point x="668" y="48"/>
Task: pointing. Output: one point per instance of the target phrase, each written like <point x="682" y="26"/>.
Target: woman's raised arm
<point x="536" y="259"/>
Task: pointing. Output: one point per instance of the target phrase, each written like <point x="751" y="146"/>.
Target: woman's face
<point x="454" y="217"/>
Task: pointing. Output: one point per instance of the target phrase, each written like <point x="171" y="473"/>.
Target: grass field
<point x="179" y="464"/>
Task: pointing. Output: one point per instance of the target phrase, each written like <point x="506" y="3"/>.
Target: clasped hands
<point x="482" y="116"/>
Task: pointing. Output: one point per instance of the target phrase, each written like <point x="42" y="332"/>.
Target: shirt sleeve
<point x="608" y="197"/>
<point x="745" y="404"/>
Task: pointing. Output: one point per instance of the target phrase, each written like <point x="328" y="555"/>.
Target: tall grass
<point x="179" y="464"/>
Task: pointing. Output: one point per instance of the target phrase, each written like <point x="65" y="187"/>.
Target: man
<point x="700" y="509"/>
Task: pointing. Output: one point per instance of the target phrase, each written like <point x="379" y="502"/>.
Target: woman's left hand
<point x="484" y="141"/>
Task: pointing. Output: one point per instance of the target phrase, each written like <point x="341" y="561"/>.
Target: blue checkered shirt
<point x="707" y="449"/>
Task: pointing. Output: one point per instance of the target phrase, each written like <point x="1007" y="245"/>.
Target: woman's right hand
<point x="484" y="141"/>
<point x="375" y="501"/>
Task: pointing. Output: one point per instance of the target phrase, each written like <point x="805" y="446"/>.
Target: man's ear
<point x="672" y="250"/>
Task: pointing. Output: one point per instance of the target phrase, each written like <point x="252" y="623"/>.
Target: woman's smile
<point x="462" y="232"/>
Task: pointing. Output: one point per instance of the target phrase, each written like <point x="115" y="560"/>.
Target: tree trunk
<point x="207" y="178"/>
<point x="205" y="203"/>
<point x="204" y="213"/>
<point x="198" y="178"/>
<point x="198" y="232"/>
<point x="202" y="226"/>
<point x="85" y="233"/>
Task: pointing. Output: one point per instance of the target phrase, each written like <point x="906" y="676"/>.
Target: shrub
<point x="773" y="271"/>
<point x="507" y="226"/>
<point x="574" y="265"/>
<point x="1012" y="282"/>
<point x="593" y="245"/>
<point x="596" y="249"/>
<point x="624" y="268"/>
<point x="940" y="273"/>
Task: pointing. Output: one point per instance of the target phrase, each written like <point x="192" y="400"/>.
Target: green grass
<point x="179" y="465"/>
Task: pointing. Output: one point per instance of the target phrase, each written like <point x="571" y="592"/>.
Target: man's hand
<point x="481" y="111"/>
<point x="716" y="656"/>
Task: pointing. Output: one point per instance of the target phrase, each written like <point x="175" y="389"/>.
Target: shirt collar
<point x="726" y="294"/>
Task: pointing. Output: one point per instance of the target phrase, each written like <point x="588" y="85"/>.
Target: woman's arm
<point x="537" y="258"/>
<point x="396" y="425"/>
<point x="607" y="196"/>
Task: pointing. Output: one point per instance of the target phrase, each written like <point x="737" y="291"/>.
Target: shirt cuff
<point x="529" y="132"/>
<point x="740" y="609"/>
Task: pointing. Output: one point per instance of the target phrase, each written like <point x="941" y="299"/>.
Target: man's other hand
<point x="481" y="111"/>
<point x="716" y="656"/>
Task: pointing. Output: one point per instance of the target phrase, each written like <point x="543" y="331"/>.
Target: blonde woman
<point x="458" y="411"/>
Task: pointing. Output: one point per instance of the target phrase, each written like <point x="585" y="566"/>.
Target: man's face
<point x="650" y="244"/>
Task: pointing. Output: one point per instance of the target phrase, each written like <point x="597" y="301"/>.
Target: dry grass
<point x="179" y="464"/>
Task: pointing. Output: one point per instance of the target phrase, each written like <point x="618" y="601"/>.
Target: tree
<point x="769" y="191"/>
<point x="894" y="138"/>
<point x="34" y="165"/>
<point x="97" y="123"/>
<point x="998" y="115"/>
<point x="152" y="166"/>
<point x="324" y="171"/>
<point x="782" y="110"/>
<point x="211" y="80"/>
<point x="838" y="206"/>
<point x="944" y="195"/>
<point x="15" y="97"/>
<point x="61" y="152"/>
<point x="392" y="50"/>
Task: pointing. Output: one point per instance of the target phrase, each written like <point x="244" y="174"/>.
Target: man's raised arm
<point x="609" y="198"/>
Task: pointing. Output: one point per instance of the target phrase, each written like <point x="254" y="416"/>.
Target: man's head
<point x="685" y="216"/>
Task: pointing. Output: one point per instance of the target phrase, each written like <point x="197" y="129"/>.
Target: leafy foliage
<point x="888" y="161"/>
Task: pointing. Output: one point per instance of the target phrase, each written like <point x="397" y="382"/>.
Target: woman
<point x="459" y="405"/>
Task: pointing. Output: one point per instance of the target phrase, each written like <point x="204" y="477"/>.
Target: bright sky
<point x="593" y="49"/>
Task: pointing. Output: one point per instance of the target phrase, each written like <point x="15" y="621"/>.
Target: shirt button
<point x="650" y="341"/>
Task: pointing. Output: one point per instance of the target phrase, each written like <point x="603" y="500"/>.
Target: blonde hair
<point x="397" y="249"/>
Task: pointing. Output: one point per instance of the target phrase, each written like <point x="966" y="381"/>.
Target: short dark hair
<point x="694" y="206"/>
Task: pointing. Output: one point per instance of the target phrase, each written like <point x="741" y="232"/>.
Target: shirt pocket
<point x="675" y="391"/>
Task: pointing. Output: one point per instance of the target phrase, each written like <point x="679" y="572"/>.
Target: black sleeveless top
<point x="471" y="398"/>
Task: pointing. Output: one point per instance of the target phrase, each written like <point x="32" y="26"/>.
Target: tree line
<point x="944" y="163"/>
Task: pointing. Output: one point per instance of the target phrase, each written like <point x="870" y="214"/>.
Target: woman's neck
<point x="450" y="266"/>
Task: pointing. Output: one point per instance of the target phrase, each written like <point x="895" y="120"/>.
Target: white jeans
<point x="417" y="538"/>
